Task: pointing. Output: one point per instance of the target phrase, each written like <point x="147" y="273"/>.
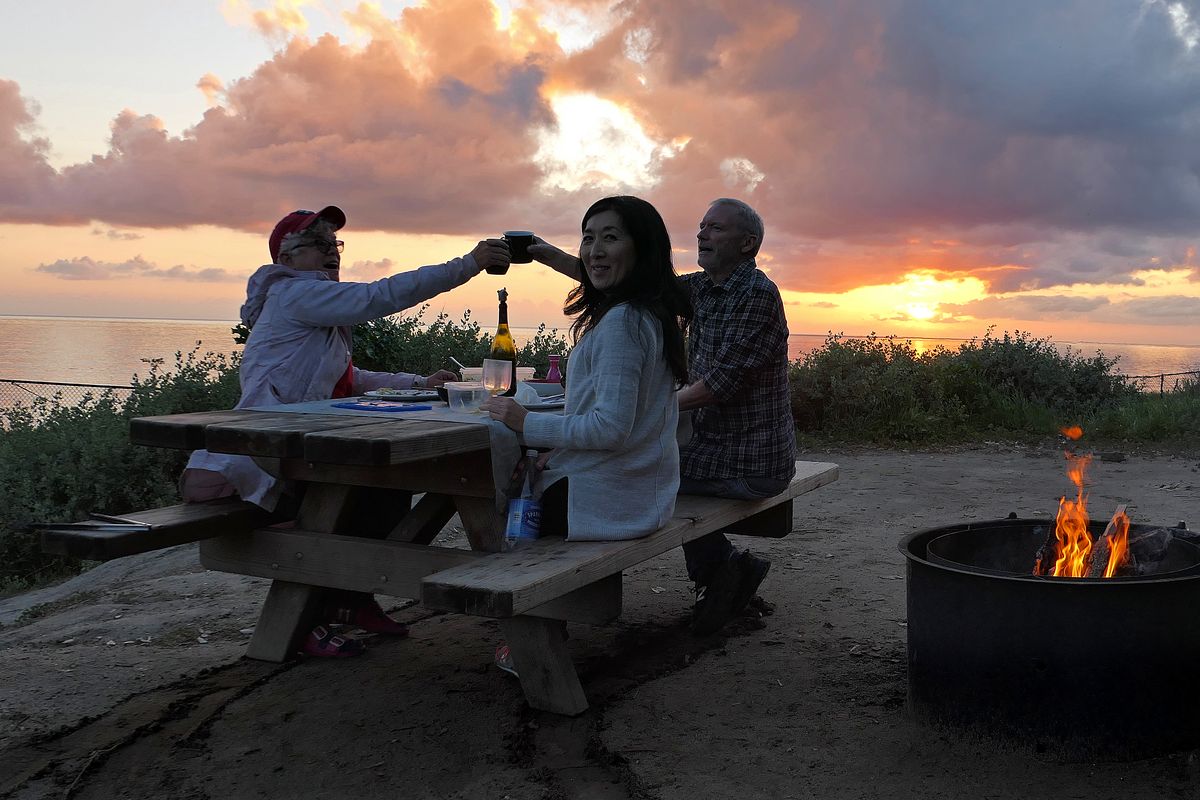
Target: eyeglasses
<point x="325" y="246"/>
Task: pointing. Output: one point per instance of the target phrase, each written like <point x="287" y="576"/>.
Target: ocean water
<point x="99" y="351"/>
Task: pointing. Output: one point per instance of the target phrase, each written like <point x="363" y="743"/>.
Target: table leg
<point x="483" y="523"/>
<point x="426" y="519"/>
<point x="548" y="676"/>
<point x="290" y="612"/>
<point x="291" y="609"/>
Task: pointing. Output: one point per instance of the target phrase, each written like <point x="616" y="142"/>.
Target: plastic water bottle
<point x="524" y="513"/>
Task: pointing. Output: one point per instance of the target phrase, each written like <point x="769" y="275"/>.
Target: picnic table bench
<point x="531" y="591"/>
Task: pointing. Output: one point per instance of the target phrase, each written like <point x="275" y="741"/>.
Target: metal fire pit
<point x="1079" y="668"/>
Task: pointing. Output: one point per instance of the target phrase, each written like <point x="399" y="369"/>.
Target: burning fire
<point x="1075" y="554"/>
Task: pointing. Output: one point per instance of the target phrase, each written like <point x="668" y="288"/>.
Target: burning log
<point x="1043" y="564"/>
<point x="1099" y="557"/>
<point x="1110" y="551"/>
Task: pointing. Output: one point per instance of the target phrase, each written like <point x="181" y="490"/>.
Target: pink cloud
<point x="24" y="171"/>
<point x="86" y="268"/>
<point x="1048" y="154"/>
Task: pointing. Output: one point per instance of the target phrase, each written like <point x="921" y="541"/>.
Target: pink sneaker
<point x="323" y="643"/>
<point x="504" y="660"/>
<point x="369" y="617"/>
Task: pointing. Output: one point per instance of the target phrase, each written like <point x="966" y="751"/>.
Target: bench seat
<point x="106" y="538"/>
<point x="509" y="584"/>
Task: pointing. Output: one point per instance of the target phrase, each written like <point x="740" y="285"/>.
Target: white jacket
<point x="616" y="437"/>
<point x="299" y="346"/>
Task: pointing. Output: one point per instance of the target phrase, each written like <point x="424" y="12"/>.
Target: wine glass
<point x="497" y="376"/>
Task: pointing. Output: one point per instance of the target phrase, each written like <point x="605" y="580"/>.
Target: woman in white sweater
<point x="613" y="472"/>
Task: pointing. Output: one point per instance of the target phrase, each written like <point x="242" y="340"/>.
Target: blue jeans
<point x="702" y="554"/>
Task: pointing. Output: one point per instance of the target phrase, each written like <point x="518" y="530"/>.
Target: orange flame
<point x="1118" y="536"/>
<point x="1073" y="539"/>
<point x="1071" y="525"/>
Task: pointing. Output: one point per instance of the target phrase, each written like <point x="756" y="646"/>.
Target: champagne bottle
<point x="502" y="343"/>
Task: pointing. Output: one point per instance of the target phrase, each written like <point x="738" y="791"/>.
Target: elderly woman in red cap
<point x="300" y="317"/>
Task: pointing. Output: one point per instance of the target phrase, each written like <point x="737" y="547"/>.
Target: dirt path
<point x="128" y="681"/>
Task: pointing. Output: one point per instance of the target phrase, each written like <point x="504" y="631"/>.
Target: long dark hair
<point x="651" y="285"/>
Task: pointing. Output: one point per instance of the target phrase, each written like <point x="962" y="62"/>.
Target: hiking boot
<point x="714" y="598"/>
<point x="751" y="572"/>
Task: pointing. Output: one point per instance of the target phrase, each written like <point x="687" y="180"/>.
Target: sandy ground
<point x="128" y="681"/>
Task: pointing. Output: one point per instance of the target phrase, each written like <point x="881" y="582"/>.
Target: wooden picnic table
<point x="342" y="459"/>
<point x="338" y="458"/>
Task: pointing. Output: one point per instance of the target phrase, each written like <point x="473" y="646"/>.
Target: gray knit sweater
<point x="616" y="438"/>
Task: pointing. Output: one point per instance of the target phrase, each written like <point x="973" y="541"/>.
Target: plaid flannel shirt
<point x="738" y="347"/>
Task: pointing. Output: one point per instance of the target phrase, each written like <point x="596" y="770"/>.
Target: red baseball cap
<point x="299" y="220"/>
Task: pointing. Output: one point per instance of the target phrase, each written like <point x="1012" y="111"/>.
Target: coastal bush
<point x="873" y="389"/>
<point x="59" y="460"/>
<point x="407" y="343"/>
<point x="884" y="390"/>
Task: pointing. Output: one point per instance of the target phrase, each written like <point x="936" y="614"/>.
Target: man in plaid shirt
<point x="743" y="444"/>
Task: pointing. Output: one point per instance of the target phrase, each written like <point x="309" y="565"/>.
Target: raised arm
<point x="329" y="303"/>
<point x="558" y="260"/>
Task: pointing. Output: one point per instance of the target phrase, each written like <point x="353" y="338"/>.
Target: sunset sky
<point x="924" y="167"/>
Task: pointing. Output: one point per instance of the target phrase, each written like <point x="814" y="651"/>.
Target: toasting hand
<point x="491" y="254"/>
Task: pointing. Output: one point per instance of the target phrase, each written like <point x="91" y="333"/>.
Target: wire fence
<point x="24" y="393"/>
<point x="1165" y="382"/>
<point x="19" y="392"/>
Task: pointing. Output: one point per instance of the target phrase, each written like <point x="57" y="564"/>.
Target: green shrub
<point x="875" y="389"/>
<point x="405" y="343"/>
<point x="59" y="461"/>
<point x="1011" y="386"/>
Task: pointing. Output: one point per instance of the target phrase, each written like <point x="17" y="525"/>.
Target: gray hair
<point x="318" y="230"/>
<point x="747" y="217"/>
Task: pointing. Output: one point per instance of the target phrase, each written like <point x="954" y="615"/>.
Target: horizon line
<point x="826" y="335"/>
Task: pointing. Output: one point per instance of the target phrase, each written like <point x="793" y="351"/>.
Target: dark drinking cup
<point x="518" y="245"/>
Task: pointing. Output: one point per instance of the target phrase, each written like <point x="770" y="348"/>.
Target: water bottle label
<point x="524" y="520"/>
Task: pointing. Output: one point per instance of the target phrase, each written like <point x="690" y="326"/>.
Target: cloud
<point x="1032" y="144"/>
<point x="24" y="171"/>
<point x="115" y="235"/>
<point x="279" y="20"/>
<point x="1164" y="310"/>
<point x="1030" y="308"/>
<point x="86" y="268"/>
<point x="369" y="270"/>
<point x="212" y="87"/>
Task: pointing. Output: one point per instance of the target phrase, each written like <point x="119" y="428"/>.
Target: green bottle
<point x="502" y="343"/>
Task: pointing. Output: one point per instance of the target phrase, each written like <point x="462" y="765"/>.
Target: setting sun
<point x="919" y="311"/>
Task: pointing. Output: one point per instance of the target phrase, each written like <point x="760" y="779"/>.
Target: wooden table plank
<point x="302" y="558"/>
<point x="462" y="474"/>
<point x="332" y="560"/>
<point x="179" y="431"/>
<point x="398" y="442"/>
<point x="167" y="527"/>
<point x="275" y="435"/>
